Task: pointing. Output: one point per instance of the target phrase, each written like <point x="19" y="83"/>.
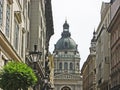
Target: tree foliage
<point x="16" y="75"/>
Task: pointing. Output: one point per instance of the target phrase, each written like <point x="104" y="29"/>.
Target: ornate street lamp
<point x="34" y="57"/>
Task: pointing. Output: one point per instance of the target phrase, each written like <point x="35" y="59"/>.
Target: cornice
<point x="8" y="48"/>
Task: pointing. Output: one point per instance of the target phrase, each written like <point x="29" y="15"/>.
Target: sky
<point x="83" y="17"/>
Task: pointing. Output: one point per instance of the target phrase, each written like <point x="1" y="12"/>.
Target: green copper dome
<point x="66" y="42"/>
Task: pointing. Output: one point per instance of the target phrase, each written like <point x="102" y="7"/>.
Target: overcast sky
<point x="83" y="16"/>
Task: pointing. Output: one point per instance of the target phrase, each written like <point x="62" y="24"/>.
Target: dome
<point x="66" y="43"/>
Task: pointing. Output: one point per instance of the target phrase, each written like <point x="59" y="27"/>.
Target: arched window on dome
<point x="71" y="66"/>
<point x="60" y="66"/>
<point x="66" y="44"/>
<point x="66" y="66"/>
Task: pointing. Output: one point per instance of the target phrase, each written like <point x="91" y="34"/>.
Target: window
<point x="5" y="61"/>
<point x="8" y="21"/>
<point x="65" y="52"/>
<point x="56" y="52"/>
<point x="16" y="35"/>
<point x="54" y="65"/>
<point x="77" y="66"/>
<point x="60" y="66"/>
<point x="65" y="88"/>
<point x="28" y="39"/>
<point x="1" y="11"/>
<point x="71" y="66"/>
<point x="66" y="44"/>
<point x="28" y="9"/>
<point x="66" y="66"/>
<point x="100" y="71"/>
<point x="22" y="45"/>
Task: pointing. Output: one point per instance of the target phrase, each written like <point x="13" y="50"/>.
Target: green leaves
<point x="16" y="75"/>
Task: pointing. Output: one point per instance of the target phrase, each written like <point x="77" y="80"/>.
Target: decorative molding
<point x="8" y="48"/>
<point x="18" y="16"/>
<point x="10" y="1"/>
<point x="23" y="30"/>
<point x="67" y="76"/>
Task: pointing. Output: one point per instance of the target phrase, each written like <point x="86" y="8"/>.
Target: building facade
<point x="41" y="29"/>
<point x="107" y="49"/>
<point x="13" y="30"/>
<point x="23" y="25"/>
<point x="66" y="63"/>
<point x="88" y="70"/>
<point x="103" y="49"/>
<point x="51" y="65"/>
<point x="114" y="29"/>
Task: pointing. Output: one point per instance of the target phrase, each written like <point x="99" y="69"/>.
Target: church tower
<point x="93" y="44"/>
<point x="67" y="62"/>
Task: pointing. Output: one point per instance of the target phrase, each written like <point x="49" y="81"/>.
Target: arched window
<point x="77" y="66"/>
<point x="54" y="65"/>
<point x="66" y="44"/>
<point x="65" y="88"/>
<point x="71" y="66"/>
<point x="60" y="65"/>
<point x="65" y="65"/>
<point x="1" y="12"/>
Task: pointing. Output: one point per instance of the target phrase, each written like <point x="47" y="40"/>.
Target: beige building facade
<point x="12" y="30"/>
<point x="23" y="25"/>
<point x="51" y="65"/>
<point x="107" y="49"/>
<point x="103" y="49"/>
<point x="114" y="30"/>
<point x="41" y="29"/>
<point x="88" y="70"/>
